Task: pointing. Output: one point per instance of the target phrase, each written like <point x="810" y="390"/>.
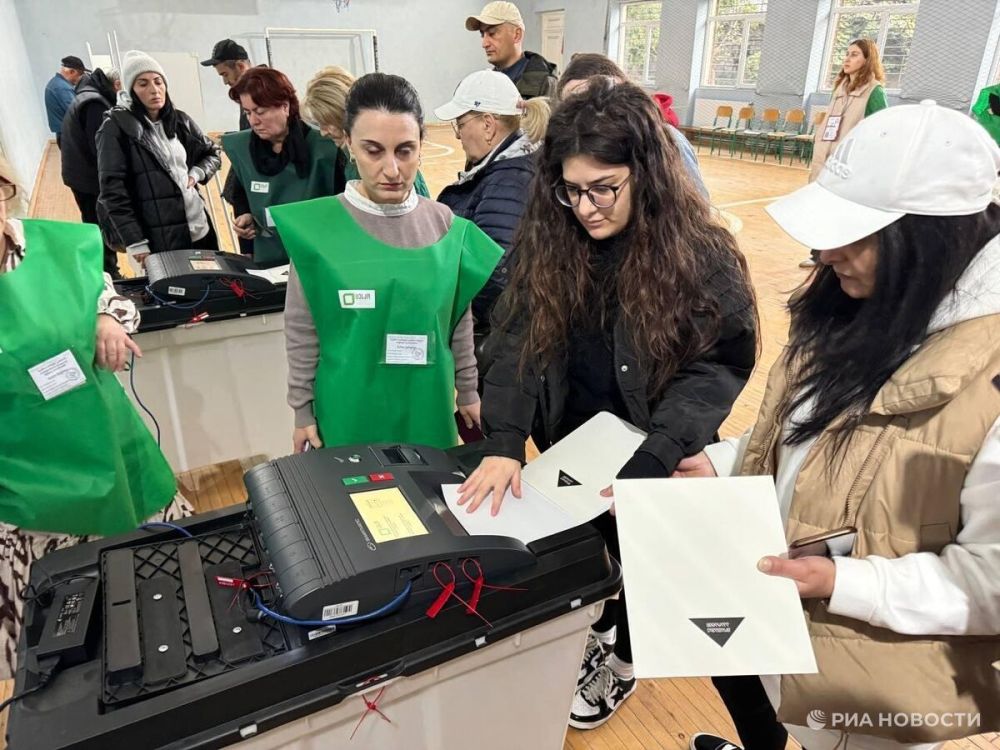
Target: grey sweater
<point x="416" y="223"/>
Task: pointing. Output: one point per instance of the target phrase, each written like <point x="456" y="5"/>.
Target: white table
<point x="217" y="390"/>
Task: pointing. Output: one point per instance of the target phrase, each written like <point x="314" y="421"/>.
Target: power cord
<point x="166" y="524"/>
<point x="46" y="670"/>
<point x="135" y="393"/>
<point x="385" y="609"/>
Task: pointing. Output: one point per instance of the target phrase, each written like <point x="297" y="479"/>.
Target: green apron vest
<point x="375" y="306"/>
<point x="982" y="113"/>
<point x="81" y="462"/>
<point x="264" y="192"/>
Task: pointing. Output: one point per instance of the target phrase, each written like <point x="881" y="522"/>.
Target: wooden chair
<point x="795" y="120"/>
<point x="731" y="134"/>
<point x="757" y="137"/>
<point x="723" y="119"/>
<point x="805" y="141"/>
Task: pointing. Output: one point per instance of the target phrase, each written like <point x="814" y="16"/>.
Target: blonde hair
<point x="533" y="121"/>
<point x="325" y="101"/>
<point x="15" y="206"/>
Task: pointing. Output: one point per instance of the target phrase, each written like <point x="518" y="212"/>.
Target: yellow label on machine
<point x="387" y="514"/>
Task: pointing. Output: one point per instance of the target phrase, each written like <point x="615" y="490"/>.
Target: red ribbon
<point x="370" y="707"/>
<point x="447" y="592"/>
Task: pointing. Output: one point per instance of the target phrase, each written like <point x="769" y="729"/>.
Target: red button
<point x="383" y="477"/>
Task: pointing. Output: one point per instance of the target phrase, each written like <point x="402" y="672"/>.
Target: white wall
<point x="586" y="21"/>
<point x="23" y="128"/>
<point x="423" y="40"/>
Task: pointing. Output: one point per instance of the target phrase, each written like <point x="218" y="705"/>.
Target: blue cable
<point x="386" y="609"/>
<point x="131" y="380"/>
<point x="178" y="305"/>
<point x="149" y="526"/>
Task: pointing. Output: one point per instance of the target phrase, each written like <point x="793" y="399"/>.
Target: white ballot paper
<point x="561" y="488"/>
<point x="697" y="605"/>
<point x="276" y="275"/>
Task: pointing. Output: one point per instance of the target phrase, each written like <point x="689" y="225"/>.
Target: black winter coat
<point x="678" y="423"/>
<point x="494" y="200"/>
<point x="95" y="95"/>
<point x="139" y="198"/>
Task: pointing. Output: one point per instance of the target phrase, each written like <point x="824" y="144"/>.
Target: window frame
<point x="911" y="8"/>
<point x="748" y="19"/>
<point x="650" y="25"/>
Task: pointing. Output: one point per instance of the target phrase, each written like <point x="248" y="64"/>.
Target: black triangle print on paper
<point x="565" y="480"/>
<point x="719" y="629"/>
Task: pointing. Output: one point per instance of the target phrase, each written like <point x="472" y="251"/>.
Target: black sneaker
<point x="594" y="656"/>
<point x="702" y="741"/>
<point x="599" y="698"/>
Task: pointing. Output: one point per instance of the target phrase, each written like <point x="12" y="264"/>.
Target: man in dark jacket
<point x="95" y="95"/>
<point x="59" y="92"/>
<point x="502" y="29"/>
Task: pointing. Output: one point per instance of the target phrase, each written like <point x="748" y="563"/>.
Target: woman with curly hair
<point x="627" y="297"/>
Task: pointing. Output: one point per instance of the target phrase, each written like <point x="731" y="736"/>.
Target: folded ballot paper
<point x="561" y="488"/>
<point x="697" y="604"/>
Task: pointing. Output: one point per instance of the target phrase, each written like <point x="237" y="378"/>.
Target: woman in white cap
<point x="151" y="158"/>
<point x="499" y="134"/>
<point x="881" y="426"/>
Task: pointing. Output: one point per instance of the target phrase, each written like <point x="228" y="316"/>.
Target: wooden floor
<point x="662" y="713"/>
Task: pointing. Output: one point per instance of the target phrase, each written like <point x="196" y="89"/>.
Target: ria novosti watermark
<point x="842" y="721"/>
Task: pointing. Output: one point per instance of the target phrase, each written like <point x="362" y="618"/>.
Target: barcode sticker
<point x="344" y="609"/>
<point x="177" y="291"/>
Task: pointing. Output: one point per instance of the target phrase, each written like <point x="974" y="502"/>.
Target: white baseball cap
<point x="495" y="14"/>
<point x="910" y="159"/>
<point x="482" y="91"/>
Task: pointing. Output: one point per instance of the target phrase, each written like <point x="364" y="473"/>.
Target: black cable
<point x="47" y="669"/>
<point x="131" y="380"/>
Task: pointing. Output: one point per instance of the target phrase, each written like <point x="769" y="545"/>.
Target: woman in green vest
<point x="75" y="459"/>
<point x="377" y="315"/>
<point x="325" y="102"/>
<point x="279" y="160"/>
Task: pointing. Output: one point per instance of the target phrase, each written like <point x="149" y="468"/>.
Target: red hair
<point x="268" y="88"/>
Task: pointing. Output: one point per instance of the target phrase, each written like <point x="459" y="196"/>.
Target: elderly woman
<point x="279" y="160"/>
<point x="75" y="458"/>
<point x="325" y="103"/>
<point x="151" y="158"/>
<point x="494" y="126"/>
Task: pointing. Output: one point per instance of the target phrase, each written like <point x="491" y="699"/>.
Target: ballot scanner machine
<point x="343" y="606"/>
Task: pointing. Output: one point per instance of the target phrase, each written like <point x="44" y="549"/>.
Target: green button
<point x="355" y="480"/>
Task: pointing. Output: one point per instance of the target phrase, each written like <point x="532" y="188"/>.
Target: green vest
<point x="264" y="192"/>
<point x="384" y="317"/>
<point x="984" y="116"/>
<point x="82" y="461"/>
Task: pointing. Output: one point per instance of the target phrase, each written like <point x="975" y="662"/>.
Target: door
<point x="553" y="24"/>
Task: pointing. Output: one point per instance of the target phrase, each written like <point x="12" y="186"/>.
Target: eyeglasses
<point x="457" y="125"/>
<point x="7" y="191"/>
<point x="600" y="196"/>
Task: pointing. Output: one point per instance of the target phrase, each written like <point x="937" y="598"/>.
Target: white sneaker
<point x="599" y="698"/>
<point x="594" y="656"/>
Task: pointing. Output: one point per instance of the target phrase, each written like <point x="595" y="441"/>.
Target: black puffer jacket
<point x="494" y="200"/>
<point x="139" y="198"/>
<point x="679" y="423"/>
<point x="95" y="95"/>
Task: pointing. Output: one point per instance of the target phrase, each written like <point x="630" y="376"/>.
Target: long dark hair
<point x="844" y="350"/>
<point x="168" y="115"/>
<point x="384" y="92"/>
<point x="671" y="245"/>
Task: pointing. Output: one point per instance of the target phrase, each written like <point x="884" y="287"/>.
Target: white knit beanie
<point x="134" y="64"/>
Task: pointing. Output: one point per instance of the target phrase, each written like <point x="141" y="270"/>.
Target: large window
<point x="735" y="35"/>
<point x="889" y="23"/>
<point x="638" y="40"/>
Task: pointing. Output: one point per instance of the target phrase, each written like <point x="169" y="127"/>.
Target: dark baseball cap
<point x="225" y="51"/>
<point x="73" y="63"/>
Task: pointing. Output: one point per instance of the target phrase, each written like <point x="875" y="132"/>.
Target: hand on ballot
<point x="493" y="475"/>
<point x="814" y="576"/>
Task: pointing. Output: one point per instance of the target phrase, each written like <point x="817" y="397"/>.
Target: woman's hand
<point x="303" y="435"/>
<point x="243" y="226"/>
<point x="494" y="474"/>
<point x="698" y="465"/>
<point x="470" y="414"/>
<point x="113" y="344"/>
<point x="814" y="576"/>
<point x="192" y="182"/>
